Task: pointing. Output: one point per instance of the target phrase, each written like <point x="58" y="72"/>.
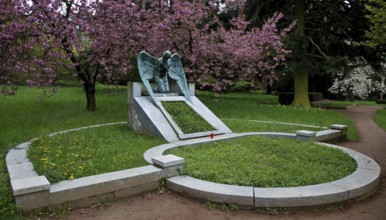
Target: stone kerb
<point x="336" y="133"/>
<point x="360" y="183"/>
<point x="32" y="191"/>
<point x="305" y="135"/>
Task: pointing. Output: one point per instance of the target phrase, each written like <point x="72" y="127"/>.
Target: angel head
<point x="167" y="54"/>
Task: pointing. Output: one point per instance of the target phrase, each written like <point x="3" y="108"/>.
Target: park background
<point x="80" y="53"/>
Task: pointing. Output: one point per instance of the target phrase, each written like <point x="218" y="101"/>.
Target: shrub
<point x="242" y="86"/>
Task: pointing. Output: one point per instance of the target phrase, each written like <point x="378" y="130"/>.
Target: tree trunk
<point x="301" y="98"/>
<point x="89" y="89"/>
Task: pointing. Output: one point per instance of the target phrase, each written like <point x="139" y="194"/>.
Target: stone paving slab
<point x="363" y="161"/>
<point x="17" y="156"/>
<point x="24" y="145"/>
<point x="339" y="127"/>
<point x="305" y="133"/>
<point x="157" y="151"/>
<point x="167" y="161"/>
<point x="21" y="171"/>
<point x="29" y="185"/>
<point x="359" y="183"/>
<point x="103" y="183"/>
<point x="299" y="196"/>
<point x="222" y="193"/>
<point x="103" y="178"/>
<point x="327" y="134"/>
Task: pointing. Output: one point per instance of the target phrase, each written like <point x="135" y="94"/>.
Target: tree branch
<point x="320" y="51"/>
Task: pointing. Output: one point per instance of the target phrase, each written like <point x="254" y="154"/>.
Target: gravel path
<point x="172" y="206"/>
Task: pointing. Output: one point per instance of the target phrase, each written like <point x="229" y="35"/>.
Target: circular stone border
<point x="274" y="122"/>
<point x="361" y="183"/>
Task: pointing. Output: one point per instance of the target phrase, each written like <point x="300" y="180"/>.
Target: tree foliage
<point x="102" y="38"/>
<point x="360" y="82"/>
<point x="333" y="32"/>
<point x="377" y="17"/>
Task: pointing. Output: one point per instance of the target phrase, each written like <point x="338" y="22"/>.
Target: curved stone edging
<point x="18" y="164"/>
<point x="274" y="122"/>
<point x="86" y="127"/>
<point x="360" y="183"/>
<point x="159" y="150"/>
<point x="32" y="191"/>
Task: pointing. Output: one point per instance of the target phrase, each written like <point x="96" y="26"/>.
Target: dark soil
<point x="173" y="206"/>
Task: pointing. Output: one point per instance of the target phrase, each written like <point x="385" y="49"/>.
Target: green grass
<point x="25" y="117"/>
<point x="336" y="104"/>
<point x="248" y="109"/>
<point x="90" y="152"/>
<point x="186" y="118"/>
<point x="246" y="125"/>
<point x="265" y="162"/>
<point x="380" y="118"/>
<point x="255" y="96"/>
<point x="369" y="103"/>
<point x="344" y="104"/>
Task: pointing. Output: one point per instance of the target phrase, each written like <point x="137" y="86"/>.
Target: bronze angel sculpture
<point x="160" y="68"/>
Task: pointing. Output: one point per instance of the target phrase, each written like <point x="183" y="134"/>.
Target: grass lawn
<point x="249" y="110"/>
<point x="23" y="118"/>
<point x="265" y="162"/>
<point x="89" y="152"/>
<point x="186" y="118"/>
<point x="336" y="104"/>
<point x="380" y="118"/>
<point x="369" y="103"/>
<point x="255" y="96"/>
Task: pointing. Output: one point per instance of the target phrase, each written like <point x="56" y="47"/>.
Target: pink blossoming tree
<point x="90" y="39"/>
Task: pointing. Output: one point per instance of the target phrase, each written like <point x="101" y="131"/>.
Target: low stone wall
<point x="32" y="191"/>
<point x="336" y="133"/>
<point x="360" y="183"/>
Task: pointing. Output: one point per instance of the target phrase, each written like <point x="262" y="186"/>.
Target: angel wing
<point x="146" y="67"/>
<point x="176" y="72"/>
